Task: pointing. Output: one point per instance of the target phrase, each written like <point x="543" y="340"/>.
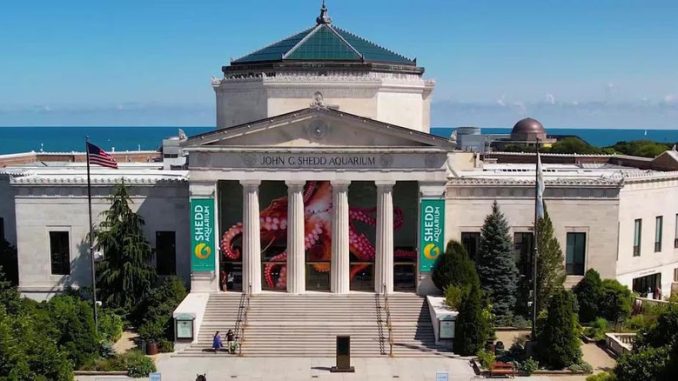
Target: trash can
<point x="151" y="348"/>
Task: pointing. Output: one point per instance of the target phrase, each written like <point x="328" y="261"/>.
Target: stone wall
<point x="40" y="209"/>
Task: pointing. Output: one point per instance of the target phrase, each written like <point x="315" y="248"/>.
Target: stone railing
<point x="620" y="343"/>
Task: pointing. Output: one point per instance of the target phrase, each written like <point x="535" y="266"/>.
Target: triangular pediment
<point x="318" y="127"/>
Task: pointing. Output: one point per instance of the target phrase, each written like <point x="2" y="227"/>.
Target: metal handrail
<point x="246" y="308"/>
<point x="388" y="322"/>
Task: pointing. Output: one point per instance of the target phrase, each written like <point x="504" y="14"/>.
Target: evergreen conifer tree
<point x="550" y="268"/>
<point x="454" y="268"/>
<point x="589" y="292"/>
<point x="125" y="274"/>
<point x="557" y="332"/>
<point x="472" y="326"/>
<point x="496" y="265"/>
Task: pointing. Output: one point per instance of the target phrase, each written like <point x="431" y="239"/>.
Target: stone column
<point x="340" y="274"/>
<point x="296" y="252"/>
<point x="251" y="240"/>
<point x="383" y="274"/>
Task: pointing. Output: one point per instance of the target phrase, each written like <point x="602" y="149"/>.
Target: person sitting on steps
<point x="230" y="338"/>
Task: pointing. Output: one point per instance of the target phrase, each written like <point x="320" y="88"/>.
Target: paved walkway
<point x="300" y="369"/>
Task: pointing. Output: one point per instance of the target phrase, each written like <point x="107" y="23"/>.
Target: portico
<point x="306" y="235"/>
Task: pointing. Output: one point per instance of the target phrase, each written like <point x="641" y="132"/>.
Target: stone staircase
<point x="412" y="330"/>
<point x="221" y="315"/>
<point x="286" y="325"/>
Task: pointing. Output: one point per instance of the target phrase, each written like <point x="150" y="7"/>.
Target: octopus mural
<point x="317" y="234"/>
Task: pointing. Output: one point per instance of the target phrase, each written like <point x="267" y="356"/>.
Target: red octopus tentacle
<point x="360" y="246"/>
<point x="364" y="215"/>
<point x="279" y="260"/>
<point x="227" y="241"/>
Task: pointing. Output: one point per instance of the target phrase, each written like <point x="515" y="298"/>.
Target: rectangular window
<point x="675" y="274"/>
<point x="471" y="242"/>
<point x="165" y="253"/>
<point x="658" y="227"/>
<point x="523" y="250"/>
<point x="60" y="253"/>
<point x="2" y="228"/>
<point x="648" y="286"/>
<point x="637" y="231"/>
<point x="675" y="237"/>
<point x="576" y="253"/>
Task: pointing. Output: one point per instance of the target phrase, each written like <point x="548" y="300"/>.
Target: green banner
<point x="431" y="233"/>
<point x="202" y="234"/>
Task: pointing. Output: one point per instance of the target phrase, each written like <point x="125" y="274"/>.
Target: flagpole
<point x="91" y="242"/>
<point x="535" y="243"/>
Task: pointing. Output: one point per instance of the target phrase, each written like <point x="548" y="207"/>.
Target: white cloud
<point x="670" y="98"/>
<point x="550" y="98"/>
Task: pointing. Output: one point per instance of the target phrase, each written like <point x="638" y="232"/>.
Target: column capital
<point x="250" y="184"/>
<point x="295" y="185"/>
<point x="385" y="184"/>
<point x="340" y="185"/>
<point x="431" y="189"/>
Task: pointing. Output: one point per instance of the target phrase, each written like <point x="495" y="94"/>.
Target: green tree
<point x="616" y="301"/>
<point x="550" y="271"/>
<point x="73" y="320"/>
<point x="558" y="332"/>
<point x="589" y="292"/>
<point x="496" y="266"/>
<point x="157" y="307"/>
<point x="454" y="268"/>
<point x="573" y="145"/>
<point x="644" y="148"/>
<point x="26" y="351"/>
<point x="125" y="274"/>
<point x="472" y="326"/>
<point x="647" y="364"/>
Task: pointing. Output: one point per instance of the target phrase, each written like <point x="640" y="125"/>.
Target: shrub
<point x="589" y="292"/>
<point x="73" y="321"/>
<point x="557" y="332"/>
<point x="598" y="329"/>
<point x="472" y="326"/>
<point x="581" y="367"/>
<point x="166" y="346"/>
<point x="520" y="322"/>
<point x="155" y="312"/>
<point x="486" y="358"/>
<point x="528" y="366"/>
<point x="645" y="364"/>
<point x="454" y="268"/>
<point x="602" y="376"/>
<point x="616" y="301"/>
<point x="138" y="365"/>
<point x="110" y="325"/>
<point x="661" y="333"/>
<point x="453" y="296"/>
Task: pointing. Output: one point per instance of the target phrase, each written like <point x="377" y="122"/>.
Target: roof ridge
<point x="302" y="41"/>
<point x="271" y="44"/>
<point x="375" y="44"/>
<point x="362" y="56"/>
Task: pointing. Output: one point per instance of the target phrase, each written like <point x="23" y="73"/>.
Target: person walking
<point x="230" y="339"/>
<point x="216" y="342"/>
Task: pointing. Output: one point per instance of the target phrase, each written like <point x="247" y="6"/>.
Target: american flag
<point x="99" y="157"/>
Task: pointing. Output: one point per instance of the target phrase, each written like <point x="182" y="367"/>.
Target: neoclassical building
<point x="321" y="176"/>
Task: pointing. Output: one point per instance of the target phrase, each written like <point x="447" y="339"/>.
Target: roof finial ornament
<point x="323" y="18"/>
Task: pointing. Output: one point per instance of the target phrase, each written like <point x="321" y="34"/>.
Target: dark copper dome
<point x="528" y="129"/>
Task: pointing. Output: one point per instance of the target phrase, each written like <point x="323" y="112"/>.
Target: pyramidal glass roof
<point x="324" y="42"/>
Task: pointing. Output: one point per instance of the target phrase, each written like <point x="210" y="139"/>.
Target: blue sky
<point x="574" y="63"/>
